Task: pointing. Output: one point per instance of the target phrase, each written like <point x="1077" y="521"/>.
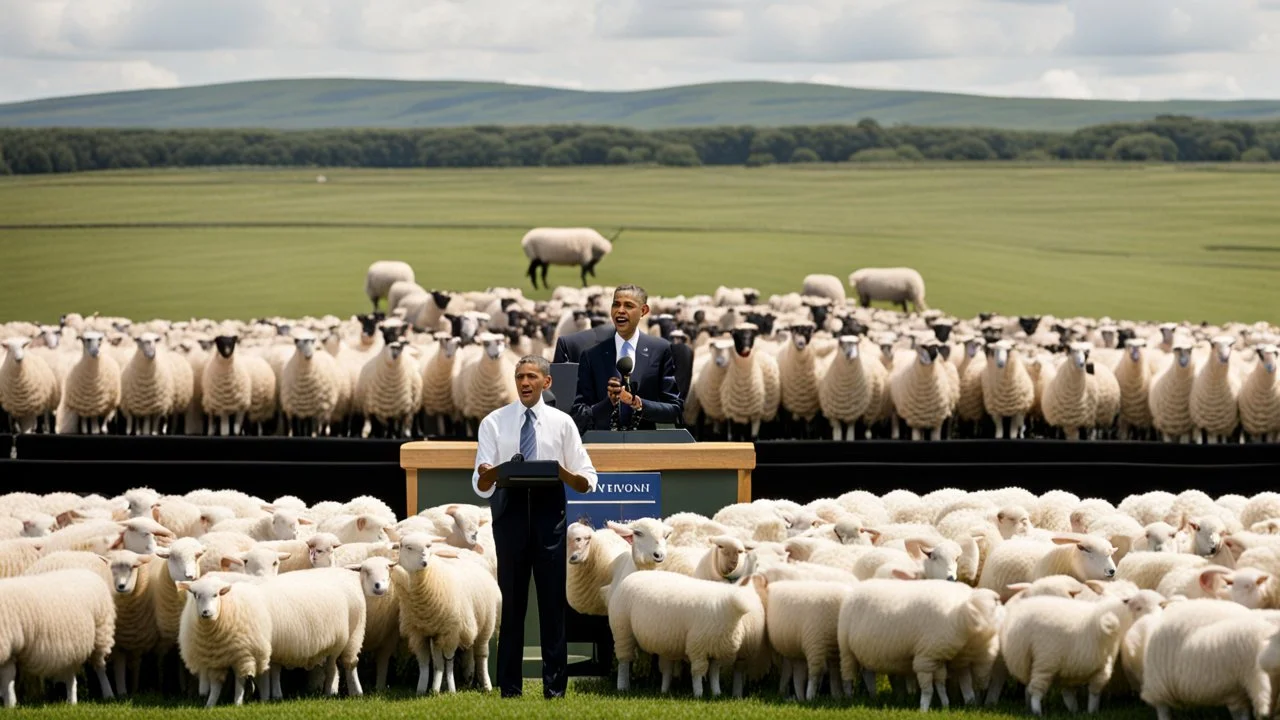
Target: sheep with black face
<point x="922" y="391"/>
<point x="751" y="391"/>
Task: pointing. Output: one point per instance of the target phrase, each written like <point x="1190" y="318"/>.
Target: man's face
<point x="530" y="383"/>
<point x="626" y="313"/>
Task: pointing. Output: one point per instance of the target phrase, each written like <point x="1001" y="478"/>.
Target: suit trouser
<point x="530" y="539"/>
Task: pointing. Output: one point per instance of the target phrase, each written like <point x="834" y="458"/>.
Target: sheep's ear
<point x="353" y="566"/>
<point x="1097" y="586"/>
<point x="451" y="510"/>
<point x="1018" y="587"/>
<point x="228" y="561"/>
<point x="361" y="522"/>
<point x="484" y="520"/>
<point x="162" y="553"/>
<point x="305" y="521"/>
<point x="447" y="552"/>
<point x="155" y="512"/>
<point x="478" y="549"/>
<point x="874" y="533"/>
<point x="1209" y="578"/>
<point x="142" y="560"/>
<point x="623" y="531"/>
<point x="901" y="574"/>
<point x="282" y="556"/>
<point x="183" y="586"/>
<point x="225" y="589"/>
<point x="1065" y="540"/>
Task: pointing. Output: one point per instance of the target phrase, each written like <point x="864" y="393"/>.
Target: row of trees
<point x="1166" y="138"/>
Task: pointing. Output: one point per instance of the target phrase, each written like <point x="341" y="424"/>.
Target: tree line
<point x="1163" y="139"/>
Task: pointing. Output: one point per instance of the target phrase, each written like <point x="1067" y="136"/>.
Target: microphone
<point x="625" y="366"/>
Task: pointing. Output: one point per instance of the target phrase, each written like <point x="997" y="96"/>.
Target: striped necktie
<point x="529" y="437"/>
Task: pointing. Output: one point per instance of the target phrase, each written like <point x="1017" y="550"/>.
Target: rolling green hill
<point x="326" y="103"/>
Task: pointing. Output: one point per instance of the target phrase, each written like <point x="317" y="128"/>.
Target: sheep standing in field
<point x="382" y="618"/>
<point x="1260" y="398"/>
<point x="381" y="276"/>
<point x="1215" y="394"/>
<point x="1007" y="390"/>
<point x="264" y="396"/>
<point x="798" y="378"/>
<point x="390" y="390"/>
<point x="852" y="388"/>
<point x="92" y="391"/>
<point x="437" y="386"/>
<point x="226" y="626"/>
<point x="1070" y="403"/>
<point x="486" y="382"/>
<point x="970" y="407"/>
<point x="227" y="387"/>
<point x="802" y="617"/>
<point x="136" y="631"/>
<point x="147" y="388"/>
<point x="898" y="285"/>
<point x="1106" y="393"/>
<point x="704" y="397"/>
<point x="309" y="388"/>
<point x="751" y="390"/>
<point x="922" y="392"/>
<point x="1171" y="395"/>
<point x="1133" y="374"/>
<point x="29" y="390"/>
<point x="547" y="246"/>
<point x="824" y="286"/>
<point x="592" y="554"/>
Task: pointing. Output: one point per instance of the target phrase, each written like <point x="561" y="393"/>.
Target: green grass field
<point x="1156" y="243"/>
<point x="338" y="102"/>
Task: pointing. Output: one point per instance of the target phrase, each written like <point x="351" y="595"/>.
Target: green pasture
<point x="1151" y="243"/>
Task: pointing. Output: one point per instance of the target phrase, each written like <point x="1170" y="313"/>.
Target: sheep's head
<point x="1029" y="324"/>
<point x="972" y="345"/>
<point x="1267" y="357"/>
<point x="305" y="342"/>
<point x="1079" y="354"/>
<point x="1166" y="332"/>
<point x="92" y="341"/>
<point x="1222" y="345"/>
<point x="207" y="593"/>
<point x="415" y="551"/>
<point x="1207" y="534"/>
<point x="729" y="554"/>
<point x="494" y="345"/>
<point x="927" y="351"/>
<point x="320" y="549"/>
<point x="799" y="521"/>
<point x="375" y="575"/>
<point x="942" y="330"/>
<point x="801" y="334"/>
<point x="467" y="521"/>
<point x="147" y="343"/>
<point x="939" y="560"/>
<point x="578" y="542"/>
<point x="1182" y="351"/>
<point x="850" y="532"/>
<point x="648" y="540"/>
<point x="51" y="335"/>
<point x="744" y="337"/>
<point x="1000" y="352"/>
<point x="17" y="348"/>
<point x="1161" y="537"/>
<point x="284" y="524"/>
<point x="124" y="569"/>
<point x="183" y="557"/>
<point x="849" y="347"/>
<point x="1145" y="602"/>
<point x="1093" y="555"/>
<point x="226" y="344"/>
<point x="800" y="549"/>
<point x="143" y="536"/>
<point x="720" y="352"/>
<point x="1249" y="587"/>
<point x="368" y="325"/>
<point x="1108" y="335"/>
<point x="1013" y="520"/>
<point x="141" y="501"/>
<point x="1134" y="348"/>
<point x="257" y="562"/>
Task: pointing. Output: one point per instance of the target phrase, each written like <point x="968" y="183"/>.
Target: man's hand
<point x="614" y="388"/>
<point x="577" y="482"/>
<point x="488" y="476"/>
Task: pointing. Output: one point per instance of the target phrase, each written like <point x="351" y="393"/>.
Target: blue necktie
<point x="528" y="437"/>
<point x="624" y="411"/>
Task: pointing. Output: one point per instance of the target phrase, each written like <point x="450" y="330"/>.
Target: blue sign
<point x="619" y="496"/>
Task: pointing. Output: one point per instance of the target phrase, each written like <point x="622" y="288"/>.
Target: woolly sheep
<point x="547" y="246"/>
<point x="181" y="564"/>
<point x="226" y="626"/>
<point x="920" y="627"/>
<point x="648" y="540"/>
<point x="898" y="285"/>
<point x="366" y="527"/>
<point x="279" y="525"/>
<point x="723" y="561"/>
<point x="1106" y="392"/>
<point x="1070" y="403"/>
<point x="381" y="275"/>
<point x="1215" y="394"/>
<point x="1133" y="374"/>
<point x="1147" y="609"/>
<point x="263" y="393"/>
<point x="1007" y="390"/>
<point x="227" y="388"/>
<point x="1171" y="396"/>
<point x="704" y="396"/>
<point x="317" y="616"/>
<point x="1259" y="398"/>
<point x="72" y="560"/>
<point x="801" y="621"/>
<point x="798" y="374"/>
<point x="390" y="390"/>
<point x="136" y="630"/>
<point x="970" y="407"/>
<point x="437" y="383"/>
<point x="19" y="554"/>
<point x="446" y="606"/>
<point x="823" y="285"/>
<point x="52" y="624"/>
<point x="29" y="391"/>
<point x="147" y="388"/>
<point x="1044" y="639"/>
<point x="382" y="619"/>
<point x="1196" y="583"/>
<point x="751" y="389"/>
<point x="309" y="388"/>
<point x="92" y="389"/>
<point x="1147" y="569"/>
<point x="673" y="616"/>
<point x="326" y="550"/>
<point x="852" y="388"/>
<point x="1262" y="506"/>
<point x="487" y="382"/>
<point x="591" y="555"/>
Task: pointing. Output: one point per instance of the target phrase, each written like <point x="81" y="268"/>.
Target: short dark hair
<point x="538" y="361"/>
<point x="634" y="290"/>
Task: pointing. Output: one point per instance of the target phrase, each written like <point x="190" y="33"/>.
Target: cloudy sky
<point x="1114" y="49"/>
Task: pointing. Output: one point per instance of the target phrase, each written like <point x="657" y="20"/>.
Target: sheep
<point x="970" y="406"/>
<point x="751" y="390"/>
<point x="898" y="285"/>
<point x="92" y="389"/>
<point x="704" y="396"/>
<point x="446" y="606"/>
<point x="1147" y="609"/>
<point x="309" y="388"/>
<point x="136" y="631"/>
<point x="147" y="388"/>
<point x="18" y="555"/>
<point x="648" y="540"/>
<point x="487" y="382"/>
<point x="673" y="616"/>
<point x="52" y="624"/>
<point x="1215" y="394"/>
<point x="547" y="246"/>
<point x="1260" y="398"/>
<point x="1171" y="395"/>
<point x="72" y="560"/>
<point x="1083" y="557"/>
<point x="1249" y="587"/>
<point x="325" y="550"/>
<point x="226" y="626"/>
<point x="724" y="561"/>
<point x="1207" y="652"/>
<point x="921" y="626"/>
<point x="365" y="527"/>
<point x="227" y="388"/>
<point x="316" y="616"/>
<point x="141" y="535"/>
<point x="381" y="276"/>
<point x="263" y="394"/>
<point x="935" y="558"/>
<point x="181" y="564"/>
<point x="592" y="554"/>
<point x="400" y="290"/>
<point x="824" y="286"/>
<point x="1147" y="569"/>
<point x="29" y="390"/>
<point x="1133" y="374"/>
<point x="437" y="384"/>
<point x="1106" y="392"/>
<point x="279" y="525"/>
<point x="852" y="388"/>
<point x="1070" y="402"/>
<point x="801" y="621"/>
<point x="390" y="390"/>
<point x="1262" y="506"/>
<point x="922" y="392"/>
<point x="382" y="619"/>
<point x="1044" y="639"/>
<point x="1196" y="582"/>
<point x="798" y="375"/>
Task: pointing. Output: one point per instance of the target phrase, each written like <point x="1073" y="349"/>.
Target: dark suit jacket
<point x="683" y="356"/>
<point x="570" y="347"/>
<point x="654" y="376"/>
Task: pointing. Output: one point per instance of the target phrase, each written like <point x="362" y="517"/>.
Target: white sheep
<point x="723" y="561"/>
<point x="226" y="626"/>
<point x="1007" y="390"/>
<point x="137" y="633"/>
<point x="92" y="389"/>
<point x="309" y="388"/>
<point x="1070" y="402"/>
<point x="381" y="276"/>
<point x="1133" y="375"/>
<point x="1044" y="639"/>
<point x="852" y="388"/>
<point x="1147" y="569"/>
<point x="366" y="527"/>
<point x="547" y="246"/>
<point x="917" y="627"/>
<point x="922" y="392"/>
<point x="227" y="388"/>
<point x="675" y="617"/>
<point x="1215" y="393"/>
<point x="1260" y="398"/>
<point x="798" y="374"/>
<point x="279" y="525"/>
<point x="264" y="397"/>
<point x="29" y="390"/>
<point x="181" y="564"/>
<point x="390" y="390"/>
<point x="801" y="622"/>
<point x="147" y="388"/>
<point x="751" y="390"/>
<point x="52" y="624"/>
<point x="704" y="396"/>
<point x="382" y="619"/>
<point x="1171" y="395"/>
<point x="326" y="550"/>
<point x="1106" y="393"/>
<point x="437" y="384"/>
<point x="898" y="285"/>
<point x="487" y="381"/>
<point x="648" y="540"/>
<point x="317" y="617"/>
<point x="823" y="285"/>
<point x="591" y="555"/>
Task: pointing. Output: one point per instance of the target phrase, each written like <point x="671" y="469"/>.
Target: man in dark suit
<point x="682" y="354"/>
<point x="656" y="397"/>
<point x="570" y="347"/>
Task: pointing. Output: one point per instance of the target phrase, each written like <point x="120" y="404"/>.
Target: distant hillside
<point x="330" y="103"/>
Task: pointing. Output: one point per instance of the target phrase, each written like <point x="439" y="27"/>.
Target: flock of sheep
<point x="807" y="364"/>
<point x="1169" y="598"/>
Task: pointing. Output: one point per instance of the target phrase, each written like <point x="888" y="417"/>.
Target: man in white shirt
<point x="529" y="523"/>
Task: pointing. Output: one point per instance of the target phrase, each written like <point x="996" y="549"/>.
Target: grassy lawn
<point x="1159" y="243"/>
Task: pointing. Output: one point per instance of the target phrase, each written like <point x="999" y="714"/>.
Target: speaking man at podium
<point x="529" y="522"/>
<point x="628" y="381"/>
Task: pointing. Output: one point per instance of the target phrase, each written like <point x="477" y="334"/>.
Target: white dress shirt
<point x="499" y="438"/>
<point x="617" y="345"/>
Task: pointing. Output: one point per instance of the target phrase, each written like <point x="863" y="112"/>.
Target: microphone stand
<point x="615" y="418"/>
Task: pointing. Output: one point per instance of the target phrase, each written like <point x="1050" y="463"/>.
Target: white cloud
<point x="1118" y="49"/>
